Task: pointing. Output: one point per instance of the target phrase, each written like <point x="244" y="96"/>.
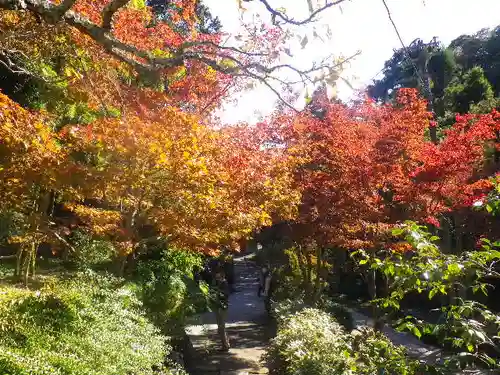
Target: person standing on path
<point x="264" y="280"/>
<point x="220" y="305"/>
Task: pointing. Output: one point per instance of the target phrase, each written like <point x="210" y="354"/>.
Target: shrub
<point x="82" y="326"/>
<point x="339" y="312"/>
<point x="311" y="342"/>
<point x="90" y="251"/>
<point x="374" y="353"/>
<point x="168" y="289"/>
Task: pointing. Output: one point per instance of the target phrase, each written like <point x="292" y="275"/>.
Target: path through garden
<point x="247" y="328"/>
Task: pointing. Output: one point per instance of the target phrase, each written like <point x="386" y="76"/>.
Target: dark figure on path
<point x="220" y="291"/>
<point x="264" y="274"/>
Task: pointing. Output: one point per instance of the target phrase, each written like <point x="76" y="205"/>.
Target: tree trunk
<point x="372" y="290"/>
<point x="19" y="259"/>
<point x="309" y="286"/>
<point x="121" y="263"/>
<point x="302" y="267"/>
<point x="319" y="273"/>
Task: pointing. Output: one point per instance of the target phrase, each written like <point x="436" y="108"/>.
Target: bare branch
<point x="110" y="10"/>
<point x="61" y="239"/>
<point x="217" y="46"/>
<point x="276" y="14"/>
<point x="7" y="60"/>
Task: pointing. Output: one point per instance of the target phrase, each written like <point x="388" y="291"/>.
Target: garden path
<point x="247" y="328"/>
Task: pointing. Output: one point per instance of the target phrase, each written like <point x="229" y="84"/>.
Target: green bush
<point x="311" y="342"/>
<point x="374" y="353"/>
<point x="90" y="251"/>
<point x="87" y="326"/>
<point x="168" y="289"/>
<point x="339" y="312"/>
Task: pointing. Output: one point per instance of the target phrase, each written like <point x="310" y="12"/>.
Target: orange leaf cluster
<point x="30" y="156"/>
<point x="200" y="186"/>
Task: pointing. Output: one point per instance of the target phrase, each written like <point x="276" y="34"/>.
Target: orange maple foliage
<point x="200" y="187"/>
<point x="31" y="166"/>
<point x="91" y="73"/>
<point x="30" y="156"/>
<point x="151" y="157"/>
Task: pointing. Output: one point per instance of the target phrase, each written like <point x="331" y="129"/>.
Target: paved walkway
<point x="246" y="328"/>
<point x="248" y="332"/>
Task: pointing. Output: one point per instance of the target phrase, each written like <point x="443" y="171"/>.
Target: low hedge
<point x="87" y="326"/>
<point x="311" y="342"/>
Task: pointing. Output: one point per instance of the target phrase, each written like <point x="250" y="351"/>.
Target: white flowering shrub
<point x="310" y="342"/>
<point x="86" y="326"/>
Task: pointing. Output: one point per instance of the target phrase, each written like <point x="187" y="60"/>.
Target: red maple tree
<point x="361" y="170"/>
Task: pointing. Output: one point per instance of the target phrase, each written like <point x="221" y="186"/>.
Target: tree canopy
<point x="458" y="78"/>
<point x="116" y="168"/>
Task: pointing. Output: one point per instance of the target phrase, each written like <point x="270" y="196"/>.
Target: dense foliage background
<point x="117" y="180"/>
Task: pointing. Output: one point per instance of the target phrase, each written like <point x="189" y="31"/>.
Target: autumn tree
<point x="362" y="170"/>
<point x="166" y="52"/>
<point x="31" y="164"/>
<point x="125" y="94"/>
<point x="200" y="187"/>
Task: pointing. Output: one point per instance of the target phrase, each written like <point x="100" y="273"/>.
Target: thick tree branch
<point x="64" y="7"/>
<point x="110" y="10"/>
<point x="207" y="52"/>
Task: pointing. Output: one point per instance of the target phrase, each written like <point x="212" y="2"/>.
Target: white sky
<point x="359" y="25"/>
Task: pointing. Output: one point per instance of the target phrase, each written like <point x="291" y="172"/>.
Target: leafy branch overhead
<point x="172" y="43"/>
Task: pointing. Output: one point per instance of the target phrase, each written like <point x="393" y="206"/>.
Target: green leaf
<point x="416" y="332"/>
<point x="397" y="232"/>
<point x="363" y="261"/>
<point x="432" y="293"/>
<point x="454" y="268"/>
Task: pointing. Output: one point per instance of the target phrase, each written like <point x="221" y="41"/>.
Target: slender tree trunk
<point x="302" y="267"/>
<point x="121" y="264"/>
<point x="19" y="259"/>
<point x="33" y="258"/>
<point x="319" y="274"/>
<point x="309" y="269"/>
<point x="458" y="233"/>
<point x="29" y="261"/>
<point x="130" y="228"/>
<point x="372" y="290"/>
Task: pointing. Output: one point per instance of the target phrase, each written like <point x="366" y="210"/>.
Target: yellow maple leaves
<point x="196" y="184"/>
<point x="29" y="153"/>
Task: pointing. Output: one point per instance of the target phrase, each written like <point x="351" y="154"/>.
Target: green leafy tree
<point x="405" y="68"/>
<point x="463" y="92"/>
<point x="416" y="265"/>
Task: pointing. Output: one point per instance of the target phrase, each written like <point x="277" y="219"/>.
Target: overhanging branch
<point x="216" y="56"/>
